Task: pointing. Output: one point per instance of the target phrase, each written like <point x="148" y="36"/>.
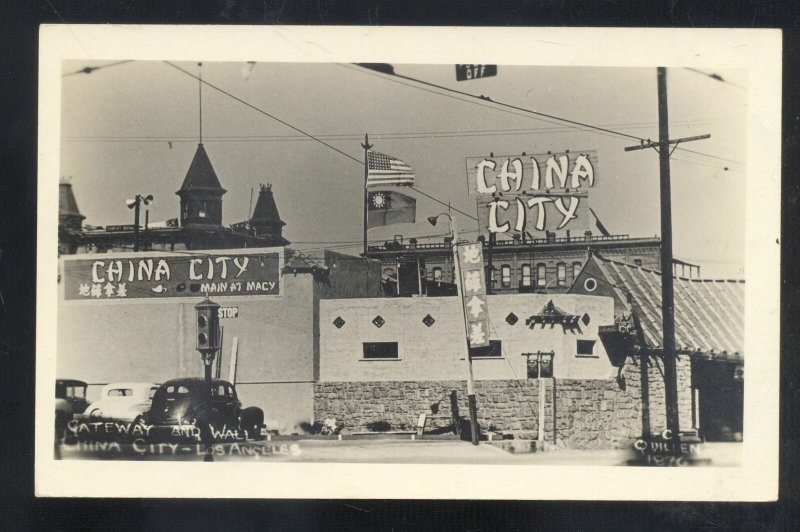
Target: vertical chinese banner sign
<point x="476" y="308"/>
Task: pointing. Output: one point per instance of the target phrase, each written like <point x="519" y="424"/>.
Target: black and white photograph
<point x="307" y="254"/>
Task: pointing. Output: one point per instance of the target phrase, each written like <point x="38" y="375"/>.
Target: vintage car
<point x="212" y="409"/>
<point x="123" y="401"/>
<point x="70" y="400"/>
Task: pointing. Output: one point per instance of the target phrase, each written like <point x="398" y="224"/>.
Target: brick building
<point x="546" y="265"/>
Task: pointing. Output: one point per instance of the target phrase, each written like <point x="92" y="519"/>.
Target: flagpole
<point x="366" y="145"/>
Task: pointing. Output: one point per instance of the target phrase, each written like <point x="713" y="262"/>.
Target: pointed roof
<point x="67" y="206"/>
<point x="266" y="211"/>
<point x="201" y="175"/>
<point x="709" y="313"/>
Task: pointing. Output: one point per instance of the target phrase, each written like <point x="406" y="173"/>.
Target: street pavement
<point x="374" y="451"/>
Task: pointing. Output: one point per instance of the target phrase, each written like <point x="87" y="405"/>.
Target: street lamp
<point x="135" y="204"/>
<point x="473" y="407"/>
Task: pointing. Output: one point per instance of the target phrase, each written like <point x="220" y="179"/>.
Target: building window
<point x="576" y="269"/>
<point x="494" y="349"/>
<point x="637" y="262"/>
<point x="585" y="348"/>
<point x="378" y="350"/>
<point x="437" y="274"/>
<point x="493" y="276"/>
<point x="506" y="279"/>
<point x="541" y="275"/>
<point x="526" y="275"/>
<point x="562" y="274"/>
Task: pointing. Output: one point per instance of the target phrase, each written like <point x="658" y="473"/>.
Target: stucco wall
<point x="437" y="352"/>
<point x="107" y="341"/>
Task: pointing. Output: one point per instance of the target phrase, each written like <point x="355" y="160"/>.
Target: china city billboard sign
<point x="533" y="193"/>
<point x="110" y="277"/>
<point x="473" y="293"/>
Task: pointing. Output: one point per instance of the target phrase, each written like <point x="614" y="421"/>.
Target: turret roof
<point x="201" y="175"/>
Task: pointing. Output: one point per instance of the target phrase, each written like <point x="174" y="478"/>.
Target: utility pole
<point x="667" y="299"/>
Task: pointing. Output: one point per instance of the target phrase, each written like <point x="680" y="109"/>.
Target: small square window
<point x="494" y="349"/>
<point x="585" y="348"/>
<point x="380" y="350"/>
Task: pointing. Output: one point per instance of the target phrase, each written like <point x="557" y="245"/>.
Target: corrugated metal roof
<point x="709" y="314"/>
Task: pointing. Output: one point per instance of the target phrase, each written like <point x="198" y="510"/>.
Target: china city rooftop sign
<point x="104" y="277"/>
<point x="532" y="193"/>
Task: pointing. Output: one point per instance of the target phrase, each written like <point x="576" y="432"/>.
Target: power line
<point x="354" y="136"/>
<point x="713" y="75"/>
<point x="251" y="106"/>
<point x="89" y="69"/>
<point x="480" y="100"/>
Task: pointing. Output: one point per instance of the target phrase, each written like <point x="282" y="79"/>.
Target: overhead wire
<point x="483" y="101"/>
<point x="318" y="139"/>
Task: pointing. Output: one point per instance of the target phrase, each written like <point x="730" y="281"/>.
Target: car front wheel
<point x="251" y="421"/>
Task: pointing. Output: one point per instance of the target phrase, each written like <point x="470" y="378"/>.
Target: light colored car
<point x="123" y="401"/>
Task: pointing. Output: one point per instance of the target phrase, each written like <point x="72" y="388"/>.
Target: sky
<point x="133" y="128"/>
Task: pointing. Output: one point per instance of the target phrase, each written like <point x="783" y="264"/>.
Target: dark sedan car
<point x="70" y="400"/>
<point x="192" y="408"/>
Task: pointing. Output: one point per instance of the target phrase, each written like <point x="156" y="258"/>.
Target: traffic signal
<point x="207" y="325"/>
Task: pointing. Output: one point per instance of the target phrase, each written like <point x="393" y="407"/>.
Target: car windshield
<point x="76" y="392"/>
<point x="120" y="392"/>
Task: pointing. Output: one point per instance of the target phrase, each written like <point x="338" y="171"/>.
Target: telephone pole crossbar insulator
<point x="651" y="144"/>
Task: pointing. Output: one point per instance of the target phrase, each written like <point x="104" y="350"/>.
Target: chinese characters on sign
<point x="532" y="193"/>
<point x="470" y="261"/>
<point x="110" y="277"/>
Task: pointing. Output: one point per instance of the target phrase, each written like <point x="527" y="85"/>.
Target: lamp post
<point x="473" y="407"/>
<point x="135" y="205"/>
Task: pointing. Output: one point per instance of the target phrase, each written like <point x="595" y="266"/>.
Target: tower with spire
<point x="265" y="221"/>
<point x="201" y="193"/>
<point x="70" y="219"/>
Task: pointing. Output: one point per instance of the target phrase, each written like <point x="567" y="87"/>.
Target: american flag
<point x="384" y="170"/>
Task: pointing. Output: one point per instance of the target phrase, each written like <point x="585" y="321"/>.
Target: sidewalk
<point x="458" y="452"/>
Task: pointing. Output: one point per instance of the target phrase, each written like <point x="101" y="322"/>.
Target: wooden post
<point x="471" y="402"/>
<point x="668" y="304"/>
<point x="234" y="360"/>
<point x="667" y="297"/>
<point x="541" y="383"/>
<point x="218" y="369"/>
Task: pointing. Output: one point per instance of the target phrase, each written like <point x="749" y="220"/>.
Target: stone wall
<point x="589" y="413"/>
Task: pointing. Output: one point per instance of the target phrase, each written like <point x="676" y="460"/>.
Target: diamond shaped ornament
<point x="585" y="319"/>
<point x="378" y="321"/>
<point x="338" y="322"/>
<point x="428" y="320"/>
<point x="512" y="318"/>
